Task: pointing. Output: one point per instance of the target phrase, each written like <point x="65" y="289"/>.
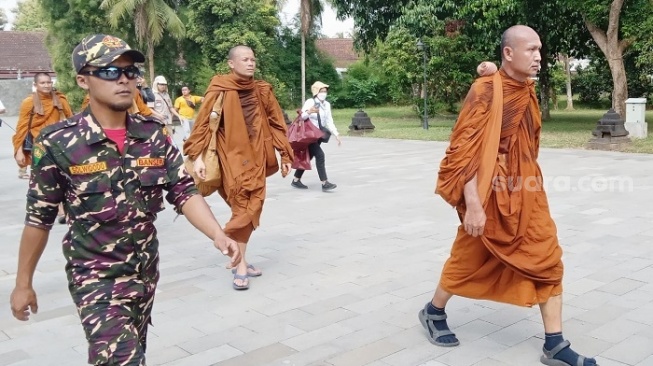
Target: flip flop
<point x="547" y="357"/>
<point x="243" y="278"/>
<point x="252" y="268"/>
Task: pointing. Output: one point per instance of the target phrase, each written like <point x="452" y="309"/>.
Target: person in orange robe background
<point x="252" y="127"/>
<point x="45" y="106"/>
<point x="506" y="248"/>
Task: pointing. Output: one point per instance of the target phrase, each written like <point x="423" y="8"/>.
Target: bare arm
<point x="199" y="215"/>
<point x="23" y="298"/>
<point x="474" y="220"/>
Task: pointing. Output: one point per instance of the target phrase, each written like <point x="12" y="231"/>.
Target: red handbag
<point x="302" y="133"/>
<point x="302" y="159"/>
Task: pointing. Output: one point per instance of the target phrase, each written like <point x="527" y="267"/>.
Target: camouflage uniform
<point x="112" y="201"/>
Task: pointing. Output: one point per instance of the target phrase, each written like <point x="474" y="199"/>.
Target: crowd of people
<point x="112" y="184"/>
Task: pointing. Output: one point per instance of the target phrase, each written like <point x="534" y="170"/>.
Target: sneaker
<point x="328" y="186"/>
<point x="298" y="184"/>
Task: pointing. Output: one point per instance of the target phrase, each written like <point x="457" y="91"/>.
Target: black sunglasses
<point x="114" y="73"/>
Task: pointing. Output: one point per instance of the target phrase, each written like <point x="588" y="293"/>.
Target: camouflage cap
<point x="100" y="50"/>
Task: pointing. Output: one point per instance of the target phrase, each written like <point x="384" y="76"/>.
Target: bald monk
<point x="138" y="107"/>
<point x="251" y="128"/>
<point x="506" y="249"/>
<point x="44" y="107"/>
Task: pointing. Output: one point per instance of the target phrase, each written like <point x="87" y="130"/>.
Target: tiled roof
<point x="340" y="50"/>
<point x="24" y="51"/>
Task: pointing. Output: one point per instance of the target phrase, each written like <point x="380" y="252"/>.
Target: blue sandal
<point x="242" y="278"/>
<point x="252" y="268"/>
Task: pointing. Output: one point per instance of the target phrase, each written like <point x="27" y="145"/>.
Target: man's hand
<point x="285" y="169"/>
<point x="20" y="157"/>
<point x="228" y="247"/>
<point x="474" y="221"/>
<point x="486" y="68"/>
<point x="23" y="300"/>
<point x="339" y="141"/>
<point x="199" y="168"/>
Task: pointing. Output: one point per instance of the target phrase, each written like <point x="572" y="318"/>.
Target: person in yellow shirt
<point x="186" y="105"/>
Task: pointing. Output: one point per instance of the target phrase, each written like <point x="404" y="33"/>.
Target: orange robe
<point x="252" y="127"/>
<point x="517" y="260"/>
<point x="138" y="107"/>
<point x="51" y="114"/>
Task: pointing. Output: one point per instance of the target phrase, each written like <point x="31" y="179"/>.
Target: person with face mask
<point x="318" y="111"/>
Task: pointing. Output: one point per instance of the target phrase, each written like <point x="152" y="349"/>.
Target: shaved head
<point x="520" y="52"/>
<point x="234" y="51"/>
<point x="513" y="34"/>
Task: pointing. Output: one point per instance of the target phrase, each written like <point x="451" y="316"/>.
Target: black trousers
<point x="315" y="151"/>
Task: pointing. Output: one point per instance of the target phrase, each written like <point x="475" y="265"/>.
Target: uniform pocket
<point x="153" y="180"/>
<point x="94" y="199"/>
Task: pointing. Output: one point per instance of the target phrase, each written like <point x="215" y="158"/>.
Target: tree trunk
<point x="620" y="92"/>
<point x="150" y="59"/>
<point x="613" y="49"/>
<point x="303" y="67"/>
<point x="545" y="85"/>
<point x="570" y="97"/>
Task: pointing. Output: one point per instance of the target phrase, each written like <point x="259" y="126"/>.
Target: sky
<point x="330" y="26"/>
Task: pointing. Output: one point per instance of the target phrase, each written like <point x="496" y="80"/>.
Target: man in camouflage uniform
<point x="109" y="170"/>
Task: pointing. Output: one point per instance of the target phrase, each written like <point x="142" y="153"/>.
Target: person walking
<point x="112" y="184"/>
<point x="252" y="128"/>
<point x="186" y="105"/>
<point x="317" y="110"/>
<point x="163" y="104"/>
<point x="42" y="108"/>
<point x="506" y="248"/>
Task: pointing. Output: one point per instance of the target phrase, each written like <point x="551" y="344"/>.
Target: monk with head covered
<point x="251" y="128"/>
<point x="506" y="249"/>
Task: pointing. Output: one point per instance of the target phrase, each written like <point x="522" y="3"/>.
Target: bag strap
<point x="319" y="120"/>
<point x="29" y="124"/>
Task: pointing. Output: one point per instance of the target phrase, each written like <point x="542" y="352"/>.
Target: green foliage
<point x="68" y="22"/>
<point x="29" y="16"/>
<point x="362" y="86"/>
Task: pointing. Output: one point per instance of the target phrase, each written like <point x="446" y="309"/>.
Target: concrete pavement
<point x="346" y="272"/>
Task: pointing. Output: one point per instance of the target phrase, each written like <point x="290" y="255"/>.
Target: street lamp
<point x="422" y="47"/>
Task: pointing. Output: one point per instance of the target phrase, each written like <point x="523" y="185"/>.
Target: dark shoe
<point x="298" y="184"/>
<point x="62" y="219"/>
<point x="328" y="186"/>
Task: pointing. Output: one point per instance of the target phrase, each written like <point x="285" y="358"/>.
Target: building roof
<point x="24" y="53"/>
<point x="339" y="50"/>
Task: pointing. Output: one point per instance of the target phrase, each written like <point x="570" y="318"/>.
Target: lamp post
<point x="422" y="47"/>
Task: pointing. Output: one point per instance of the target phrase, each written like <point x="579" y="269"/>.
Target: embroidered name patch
<point x="150" y="162"/>
<point x="89" y="168"/>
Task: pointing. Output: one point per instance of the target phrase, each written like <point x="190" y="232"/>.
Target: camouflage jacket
<point x="111" y="201"/>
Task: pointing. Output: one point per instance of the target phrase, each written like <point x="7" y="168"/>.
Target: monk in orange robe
<point x="251" y="128"/>
<point x="44" y="107"/>
<point x="506" y="249"/>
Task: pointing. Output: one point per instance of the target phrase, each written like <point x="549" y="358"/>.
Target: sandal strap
<point x="580" y="361"/>
<point x="240" y="277"/>
<point x="555" y="350"/>
<point x="434" y="317"/>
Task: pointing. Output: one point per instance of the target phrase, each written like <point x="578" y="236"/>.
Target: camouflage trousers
<point x="116" y="330"/>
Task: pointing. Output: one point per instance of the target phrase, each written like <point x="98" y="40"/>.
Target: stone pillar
<point x="635" y="118"/>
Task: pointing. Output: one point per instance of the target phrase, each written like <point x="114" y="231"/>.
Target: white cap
<point x="160" y="80"/>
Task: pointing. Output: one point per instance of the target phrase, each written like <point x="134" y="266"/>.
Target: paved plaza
<point x="345" y="273"/>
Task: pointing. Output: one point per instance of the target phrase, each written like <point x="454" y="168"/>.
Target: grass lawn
<point x="566" y="129"/>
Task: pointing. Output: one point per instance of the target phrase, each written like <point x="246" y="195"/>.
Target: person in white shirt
<point x="318" y="111"/>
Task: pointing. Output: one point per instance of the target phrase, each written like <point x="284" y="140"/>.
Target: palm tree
<point x="151" y="19"/>
<point x="310" y="13"/>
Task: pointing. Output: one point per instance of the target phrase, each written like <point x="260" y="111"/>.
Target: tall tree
<point x="615" y="25"/>
<point x="151" y="19"/>
<point x="29" y="16"/>
<point x="310" y="14"/>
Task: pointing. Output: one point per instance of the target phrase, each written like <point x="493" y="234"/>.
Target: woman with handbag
<point x="318" y="111"/>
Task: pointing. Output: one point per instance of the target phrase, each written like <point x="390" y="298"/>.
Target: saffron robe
<point x="517" y="260"/>
<point x="251" y="129"/>
<point x="48" y="109"/>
